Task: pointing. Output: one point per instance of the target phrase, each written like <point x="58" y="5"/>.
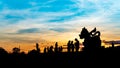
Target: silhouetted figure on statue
<point x="77" y="44"/>
<point x="92" y="39"/>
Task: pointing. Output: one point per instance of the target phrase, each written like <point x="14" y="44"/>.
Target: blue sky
<point x="41" y="20"/>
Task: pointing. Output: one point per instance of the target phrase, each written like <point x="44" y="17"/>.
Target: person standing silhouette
<point x="56" y="47"/>
<point x="72" y="46"/>
<point x="37" y="47"/>
<point x="77" y="44"/>
<point x="68" y="46"/>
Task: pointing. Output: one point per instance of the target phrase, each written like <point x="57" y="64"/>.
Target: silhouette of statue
<point x="91" y="39"/>
<point x="77" y="44"/>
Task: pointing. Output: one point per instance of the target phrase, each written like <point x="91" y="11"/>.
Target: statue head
<point x="84" y="33"/>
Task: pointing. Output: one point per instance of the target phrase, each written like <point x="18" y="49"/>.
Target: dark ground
<point x="98" y="58"/>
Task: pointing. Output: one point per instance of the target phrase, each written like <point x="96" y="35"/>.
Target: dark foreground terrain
<point x="100" y="58"/>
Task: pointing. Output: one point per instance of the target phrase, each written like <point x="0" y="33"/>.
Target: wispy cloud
<point x="30" y="30"/>
<point x="48" y="19"/>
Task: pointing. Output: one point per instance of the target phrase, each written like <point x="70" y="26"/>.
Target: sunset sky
<point x="25" y="22"/>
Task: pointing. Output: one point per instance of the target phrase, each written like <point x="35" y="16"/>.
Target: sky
<point x="25" y="22"/>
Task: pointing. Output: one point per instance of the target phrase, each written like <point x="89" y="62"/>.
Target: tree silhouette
<point x="3" y="51"/>
<point x="16" y="50"/>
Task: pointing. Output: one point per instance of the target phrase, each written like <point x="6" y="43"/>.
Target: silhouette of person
<point x="51" y="49"/>
<point x="37" y="47"/>
<point x="72" y="46"/>
<point x="45" y="50"/>
<point x="77" y="44"/>
<point x="60" y="49"/>
<point x="56" y="47"/>
<point x="68" y="46"/>
<point x="112" y="45"/>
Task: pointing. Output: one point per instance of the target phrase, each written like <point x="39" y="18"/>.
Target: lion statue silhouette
<point x="92" y="39"/>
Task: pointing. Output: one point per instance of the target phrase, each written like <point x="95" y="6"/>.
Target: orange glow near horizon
<point x="27" y="42"/>
<point x="25" y="47"/>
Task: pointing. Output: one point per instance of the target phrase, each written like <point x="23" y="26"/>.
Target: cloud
<point x="60" y="29"/>
<point x="33" y="3"/>
<point x="20" y="38"/>
<point x="112" y="41"/>
<point x="50" y="20"/>
<point x="30" y="30"/>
